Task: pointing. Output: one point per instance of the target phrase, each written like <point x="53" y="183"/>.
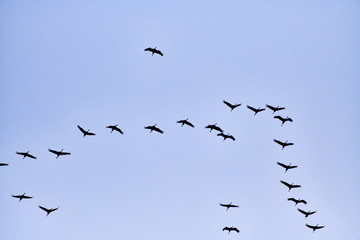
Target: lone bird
<point x="290" y="186"/>
<point x="114" y="127"/>
<point x="48" y="210"/>
<point x="226" y="136"/>
<point x="275" y="109"/>
<point x="59" y="153"/>
<point x="283" y="144"/>
<point x="214" y="127"/>
<point x="314" y="227"/>
<point x="231" y="229"/>
<point x="296" y="201"/>
<point x="255" y="110"/>
<point x="231" y="105"/>
<point x="287" y="167"/>
<point x="230" y="205"/>
<point x="85" y="132"/>
<point x="185" y="121"/>
<point x="26" y="154"/>
<point x="283" y="120"/>
<point x="3" y="164"/>
<point x="154" y="50"/>
<point x="21" y="197"/>
<point x="154" y="128"/>
<point x="306" y="213"/>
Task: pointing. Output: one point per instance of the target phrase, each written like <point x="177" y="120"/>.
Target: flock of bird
<point x="211" y="127"/>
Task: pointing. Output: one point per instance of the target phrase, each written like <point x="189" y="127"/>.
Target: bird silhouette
<point x="230" y="205"/>
<point x="297" y="201"/>
<point x="314" y="227"/>
<point x="21" y="197"/>
<point x="274" y="109"/>
<point x="290" y="186"/>
<point x="26" y="154"/>
<point x="154" y="128"/>
<point x="256" y="111"/>
<point x="283" y="120"/>
<point x="115" y="128"/>
<point x="214" y="127"/>
<point x="154" y="50"/>
<point x="283" y="144"/>
<point x="4" y="164"/>
<point x="85" y="132"/>
<point x="287" y="167"/>
<point x="48" y="211"/>
<point x="59" y="153"/>
<point x="226" y="136"/>
<point x="185" y="121"/>
<point x="231" y="105"/>
<point x="306" y="213"/>
<point x="231" y="229"/>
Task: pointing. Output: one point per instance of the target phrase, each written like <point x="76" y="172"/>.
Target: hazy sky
<point x="65" y="63"/>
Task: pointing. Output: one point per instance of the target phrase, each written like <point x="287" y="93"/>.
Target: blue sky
<point x="64" y="64"/>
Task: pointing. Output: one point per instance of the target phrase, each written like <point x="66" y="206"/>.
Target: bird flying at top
<point x="48" y="211"/>
<point x="283" y="120"/>
<point x="26" y="154"/>
<point x="283" y="144"/>
<point x="114" y="127"/>
<point x="185" y="121"/>
<point x="214" y="127"/>
<point x="21" y="197"/>
<point x="85" y="132"/>
<point x="230" y="205"/>
<point x="154" y="128"/>
<point x="314" y="227"/>
<point x="154" y="50"/>
<point x="231" y="105"/>
<point x="275" y="109"/>
<point x="231" y="229"/>
<point x="255" y="110"/>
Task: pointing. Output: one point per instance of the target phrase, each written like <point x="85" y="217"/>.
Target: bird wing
<point x="289" y="119"/>
<point x="271" y="107"/>
<point x="261" y="109"/>
<point x="189" y="123"/>
<point x="302" y="211"/>
<point x="4" y="164"/>
<point x="31" y="156"/>
<point x="281" y="164"/>
<point x="280" y="108"/>
<point x="292" y="166"/>
<point x="43" y="208"/>
<point x="53" y="151"/>
<point x="54" y="209"/>
<point x="20" y="153"/>
<point x="289" y="144"/>
<point x="81" y="129"/>
<point x="279" y="117"/>
<point x="292" y="199"/>
<point x="228" y="104"/>
<point x="158" y="130"/>
<point x="232" y="137"/>
<point x="225" y="228"/>
<point x="285" y="183"/>
<point x="303" y="201"/>
<point x="220" y="134"/>
<point x="64" y="153"/>
<point x="296" y="186"/>
<point x="310" y="226"/>
<point x="251" y="108"/>
<point x="217" y="128"/>
<point x="278" y="142"/>
<point x="149" y="49"/>
<point x="236" y="230"/>
<point x="318" y="227"/>
<point x="118" y="129"/>
<point x="159" y="52"/>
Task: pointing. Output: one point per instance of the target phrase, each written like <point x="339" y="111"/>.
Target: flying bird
<point x="230" y="205"/>
<point x="21" y="197"/>
<point x="287" y="167"/>
<point x="314" y="227"/>
<point x="185" y="121"/>
<point x="85" y="132"/>
<point x="283" y="120"/>
<point x="3" y="164"/>
<point x="214" y="127"/>
<point x="231" y="229"/>
<point x="283" y="144"/>
<point x="306" y="213"/>
<point x="275" y="109"/>
<point x="154" y="128"/>
<point x="296" y="201"/>
<point x="48" y="210"/>
<point x="290" y="186"/>
<point x="114" y="127"/>
<point x="154" y="50"/>
<point x="231" y="105"/>
<point x="255" y="110"/>
<point x="59" y="153"/>
<point x="226" y="136"/>
<point x="26" y="154"/>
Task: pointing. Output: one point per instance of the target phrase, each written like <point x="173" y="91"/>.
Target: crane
<point x="21" y="197"/>
<point x="287" y="167"/>
<point x="232" y="106"/>
<point x="59" y="153"/>
<point x="274" y="109"/>
<point x="154" y="128"/>
<point x="290" y="186"/>
<point x="26" y="154"/>
<point x="185" y="121"/>
<point x="154" y="50"/>
<point x="85" y="132"/>
<point x="283" y="144"/>
<point x="255" y="110"/>
<point x="115" y="128"/>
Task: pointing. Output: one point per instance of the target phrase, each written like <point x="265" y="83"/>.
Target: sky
<point x="67" y="63"/>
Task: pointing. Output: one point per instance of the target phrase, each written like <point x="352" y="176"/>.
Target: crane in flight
<point x="154" y="50"/>
<point x="59" y="153"/>
<point x="308" y="213"/>
<point x="314" y="227"/>
<point x="283" y="120"/>
<point x="283" y="144"/>
<point x="232" y="106"/>
<point x="290" y="186"/>
<point x="231" y="229"/>
<point x="21" y="197"/>
<point x="297" y="201"/>
<point x="185" y="121"/>
<point x="48" y="211"/>
<point x="255" y="110"/>
<point x="214" y="127"/>
<point x="274" y="109"/>
<point x="230" y="205"/>
<point x="154" y="128"/>
<point x="287" y="167"/>
<point x="26" y="154"/>
<point x="226" y="136"/>
<point x="115" y="128"/>
<point x="85" y="132"/>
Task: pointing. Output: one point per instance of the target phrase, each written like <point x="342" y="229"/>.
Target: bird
<point x="154" y="128"/>
<point x="59" y="153"/>
<point x="230" y="205"/>
<point x="283" y="120"/>
<point x="114" y="127"/>
<point x="283" y="144"/>
<point x="26" y="154"/>
<point x="290" y="186"/>
<point x="255" y="110"/>
<point x="231" y="105"/>
<point x="226" y="136"/>
<point x="306" y="213"/>
<point x="185" y="121"/>
<point x="275" y="109"/>
<point x="214" y="127"/>
<point x="287" y="167"/>
<point x="296" y="201"/>
<point x="154" y="50"/>
<point x="231" y="229"/>
<point x="85" y="132"/>
<point x="314" y="227"/>
<point x="48" y="210"/>
<point x="3" y="164"/>
<point x="21" y="197"/>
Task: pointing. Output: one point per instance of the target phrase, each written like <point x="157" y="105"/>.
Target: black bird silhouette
<point x="296" y="201"/>
<point x="4" y="164"/>
<point x="214" y="127"/>
<point x="255" y="110"/>
<point x="283" y="120"/>
<point x="85" y="132"/>
<point x="185" y="121"/>
<point x="26" y="154"/>
<point x="231" y="229"/>
<point x="230" y="205"/>
<point x="290" y="186"/>
<point x="275" y="109"/>
<point x="287" y="167"/>
<point x="154" y="128"/>
<point x="59" y="153"/>
<point x="154" y="50"/>
<point x="48" y="210"/>
<point x="231" y="105"/>
<point x="226" y="136"/>
<point x="114" y="127"/>
<point x="306" y="213"/>
<point x="314" y="227"/>
<point x="21" y="197"/>
<point x="283" y="144"/>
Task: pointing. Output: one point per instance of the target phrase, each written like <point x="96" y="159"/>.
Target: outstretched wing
<point x="228" y="104"/>
<point x="278" y="142"/>
<point x="296" y="186"/>
<point x="218" y="129"/>
<point x="82" y="130"/>
<point x="302" y="211"/>
<point x="30" y="156"/>
<point x="271" y="107"/>
<point x="285" y="183"/>
<point x="43" y="208"/>
<point x="289" y="144"/>
<point x="149" y="49"/>
<point x="119" y="130"/>
<point x="189" y="123"/>
<point x="158" y="52"/>
<point x="53" y="151"/>
<point x="281" y="164"/>
<point x="232" y="137"/>
<point x="236" y="230"/>
<point x="251" y="108"/>
<point x="158" y="130"/>
<point x="279" y="117"/>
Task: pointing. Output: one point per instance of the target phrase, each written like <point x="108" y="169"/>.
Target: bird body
<point x="290" y="186"/>
<point x="314" y="227"/>
<point x="232" y="106"/>
<point x="287" y="167"/>
<point x="283" y="120"/>
<point x="297" y="201"/>
<point x="274" y="109"/>
<point x="185" y="121"/>
<point x="230" y="205"/>
<point x="59" y="153"/>
<point x="231" y="229"/>
<point x="48" y="211"/>
<point x="115" y="128"/>
<point x="255" y="110"/>
<point x="154" y="50"/>
<point x="85" y="132"/>
<point x="154" y="128"/>
<point x="21" y="197"/>
<point x="306" y="213"/>
<point x="26" y="154"/>
<point x="214" y="127"/>
<point x="226" y="136"/>
<point x="283" y="144"/>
